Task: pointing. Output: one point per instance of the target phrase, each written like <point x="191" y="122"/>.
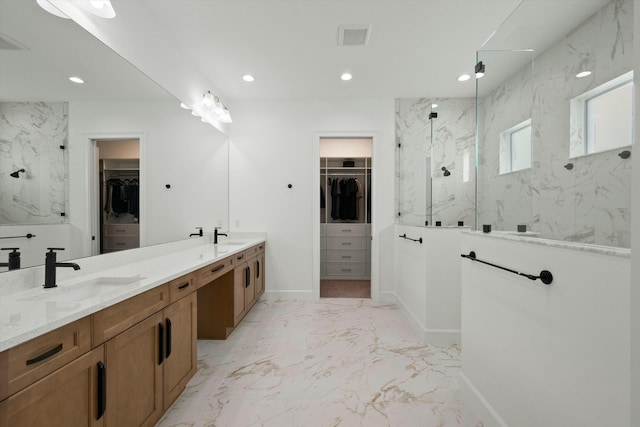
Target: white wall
<point x="176" y="149"/>
<point x="635" y="239"/>
<point x="276" y="143"/>
<point x="540" y="355"/>
<point x="427" y="278"/>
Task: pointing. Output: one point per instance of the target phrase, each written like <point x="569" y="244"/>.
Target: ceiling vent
<point x="353" y="35"/>
<point x="7" y="43"/>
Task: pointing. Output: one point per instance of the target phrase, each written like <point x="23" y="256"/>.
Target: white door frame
<point x="315" y="170"/>
<point x="93" y="184"/>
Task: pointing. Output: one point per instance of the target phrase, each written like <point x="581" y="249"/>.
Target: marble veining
<point x="331" y="362"/>
<point x="31" y="134"/>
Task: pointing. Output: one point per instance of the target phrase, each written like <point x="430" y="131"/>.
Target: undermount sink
<point x="82" y="290"/>
<point x="231" y="243"/>
<point x="111" y="281"/>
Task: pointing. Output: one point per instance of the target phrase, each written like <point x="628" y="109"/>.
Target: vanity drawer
<point x="211" y="272"/>
<point x="121" y="229"/>
<point x="254" y="250"/>
<point x="121" y="242"/>
<point x="346" y="242"/>
<point x="346" y="229"/>
<point x="346" y="269"/>
<point x="111" y="321"/>
<point x="181" y="286"/>
<point x="26" y="363"/>
<point x="348" y="256"/>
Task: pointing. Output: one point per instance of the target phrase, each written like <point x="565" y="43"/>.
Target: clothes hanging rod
<point x="545" y="275"/>
<point x="404" y="236"/>
<point x="28" y="236"/>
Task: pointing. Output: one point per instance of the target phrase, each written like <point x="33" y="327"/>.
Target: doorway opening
<point x="119" y="194"/>
<point x="345" y="217"/>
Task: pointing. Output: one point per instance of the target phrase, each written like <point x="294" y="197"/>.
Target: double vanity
<point x="117" y="346"/>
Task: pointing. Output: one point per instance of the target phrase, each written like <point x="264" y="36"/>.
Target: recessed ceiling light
<point x="76" y="80"/>
<point x="248" y="78"/>
<point x="346" y="77"/>
<point x="583" y="74"/>
<point x="185" y="106"/>
<point x="464" y="77"/>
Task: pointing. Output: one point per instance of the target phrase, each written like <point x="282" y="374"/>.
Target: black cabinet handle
<point x="247" y="277"/>
<point x="45" y="355"/>
<point x="257" y="269"/>
<point x="218" y="268"/>
<point x="160" y="343"/>
<point x="181" y="287"/>
<point x="168" y="352"/>
<point x="102" y="390"/>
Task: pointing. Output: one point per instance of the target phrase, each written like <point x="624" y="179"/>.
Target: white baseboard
<point x="288" y="295"/>
<point x="480" y="406"/>
<point x="440" y="337"/>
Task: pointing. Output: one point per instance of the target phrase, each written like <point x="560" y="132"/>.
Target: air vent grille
<point x="353" y="35"/>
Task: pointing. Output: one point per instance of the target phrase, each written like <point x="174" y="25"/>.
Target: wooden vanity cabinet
<point x="150" y="364"/>
<point x="71" y="396"/>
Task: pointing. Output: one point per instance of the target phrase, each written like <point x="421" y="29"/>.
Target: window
<point x="602" y="118"/>
<point x="515" y="148"/>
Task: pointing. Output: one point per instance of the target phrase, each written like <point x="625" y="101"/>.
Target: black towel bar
<point x="545" y="275"/>
<point x="28" y="236"/>
<point x="404" y="236"/>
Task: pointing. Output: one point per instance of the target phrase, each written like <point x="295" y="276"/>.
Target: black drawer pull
<point x="185" y="286"/>
<point x="45" y="355"/>
<point x="218" y="268"/>
<point x="168" y="338"/>
<point x="160" y="343"/>
<point x="346" y="256"/>
<point x="102" y="390"/>
<point x="239" y="257"/>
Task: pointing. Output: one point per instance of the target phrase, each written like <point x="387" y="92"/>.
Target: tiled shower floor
<point x="331" y="362"/>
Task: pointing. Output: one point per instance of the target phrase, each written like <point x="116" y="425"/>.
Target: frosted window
<point x="515" y="148"/>
<point x="609" y="119"/>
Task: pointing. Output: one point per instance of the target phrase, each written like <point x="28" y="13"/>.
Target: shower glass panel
<point x="570" y="192"/>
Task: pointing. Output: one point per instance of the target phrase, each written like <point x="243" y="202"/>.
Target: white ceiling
<point x="417" y="48"/>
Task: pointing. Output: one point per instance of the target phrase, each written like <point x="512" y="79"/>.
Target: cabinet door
<point x="259" y="273"/>
<point x="71" y="396"/>
<point x="134" y="380"/>
<point x="250" y="284"/>
<point x="239" y="285"/>
<point x="181" y="326"/>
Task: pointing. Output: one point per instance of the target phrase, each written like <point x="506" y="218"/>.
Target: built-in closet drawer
<point x="346" y="229"/>
<point x="346" y="243"/>
<point x="346" y="269"/>
<point x="121" y="242"/>
<point x="341" y="255"/>
<point x="121" y="229"/>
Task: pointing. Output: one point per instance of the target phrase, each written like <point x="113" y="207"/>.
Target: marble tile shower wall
<point x="31" y="134"/>
<point x="425" y="194"/>
<point x="591" y="202"/>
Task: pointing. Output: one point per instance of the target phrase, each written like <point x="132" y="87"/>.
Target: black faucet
<point x="50" y="267"/>
<point x="216" y="234"/>
<point x="14" y="259"/>
<point x="197" y="234"/>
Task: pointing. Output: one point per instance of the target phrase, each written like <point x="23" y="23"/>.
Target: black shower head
<point x="446" y="172"/>
<point x="16" y="173"/>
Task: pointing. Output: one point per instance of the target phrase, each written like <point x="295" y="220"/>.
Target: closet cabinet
<point x="71" y="396"/>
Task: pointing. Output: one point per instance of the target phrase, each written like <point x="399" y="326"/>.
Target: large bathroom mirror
<point x="555" y="123"/>
<point x="51" y="131"/>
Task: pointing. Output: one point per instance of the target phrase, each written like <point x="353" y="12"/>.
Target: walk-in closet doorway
<point x="345" y="217"/>
<point x="116" y="194"/>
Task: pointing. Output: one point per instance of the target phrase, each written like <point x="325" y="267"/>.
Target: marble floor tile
<point x="331" y="362"/>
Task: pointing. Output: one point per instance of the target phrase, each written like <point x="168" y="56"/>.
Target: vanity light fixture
<point x="248" y="78"/>
<point x="76" y="79"/>
<point x="583" y="74"/>
<point x="51" y="9"/>
<point x="213" y="109"/>
<point x="185" y="106"/>
<point x="479" y="70"/>
<point x="463" y="77"/>
<point x="101" y="8"/>
<point x="346" y="77"/>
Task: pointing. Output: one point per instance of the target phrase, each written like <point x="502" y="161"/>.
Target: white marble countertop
<point x="34" y="311"/>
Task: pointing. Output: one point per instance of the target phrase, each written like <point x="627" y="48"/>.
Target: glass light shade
<point x="51" y="9"/>
<point x="101" y="8"/>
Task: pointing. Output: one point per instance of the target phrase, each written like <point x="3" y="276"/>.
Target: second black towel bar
<point x="545" y="275"/>
<point x="404" y="236"/>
